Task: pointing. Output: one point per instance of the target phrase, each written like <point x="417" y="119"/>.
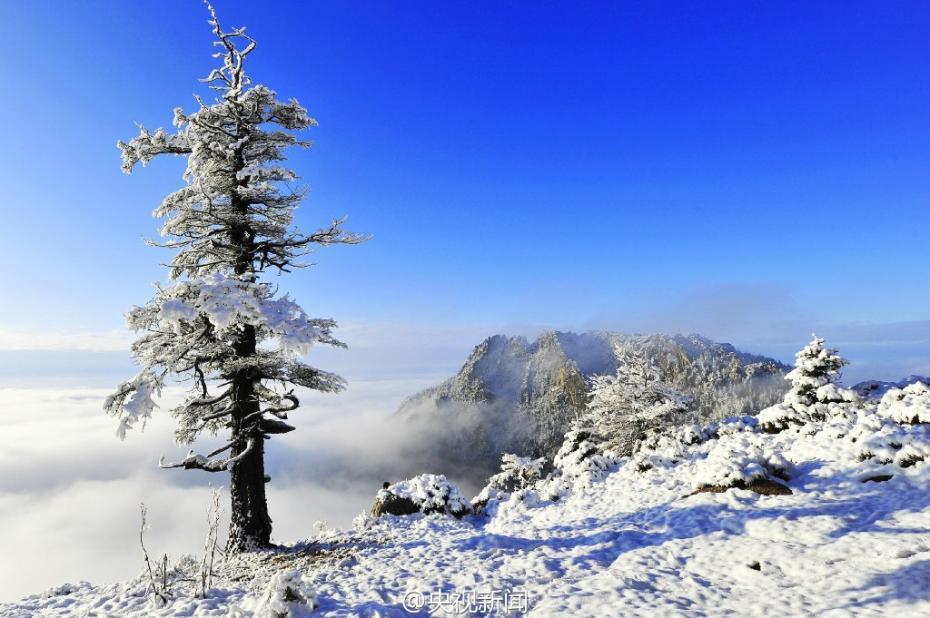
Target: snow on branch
<point x="229" y="301"/>
<point x="147" y="145"/>
<point x="231" y="76"/>
<point x="132" y="402"/>
<point x="199" y="462"/>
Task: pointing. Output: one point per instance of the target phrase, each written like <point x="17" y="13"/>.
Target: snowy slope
<point x="637" y="541"/>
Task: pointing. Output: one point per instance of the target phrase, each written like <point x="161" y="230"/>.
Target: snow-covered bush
<point x="285" y="595"/>
<point x="668" y="446"/>
<point x="579" y="460"/>
<point x="516" y="473"/>
<point x="882" y="441"/>
<point x="814" y="394"/>
<point x="665" y="447"/>
<point x="426" y="493"/>
<point x="910" y="404"/>
<point x="738" y="462"/>
<point x="815" y="366"/>
<point x="734" y="425"/>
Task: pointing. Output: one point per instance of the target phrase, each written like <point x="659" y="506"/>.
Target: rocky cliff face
<point x="513" y="395"/>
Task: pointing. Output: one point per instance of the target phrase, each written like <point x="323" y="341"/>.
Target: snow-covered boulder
<point x="744" y="464"/>
<point x="426" y="493"/>
<point x="910" y="404"/>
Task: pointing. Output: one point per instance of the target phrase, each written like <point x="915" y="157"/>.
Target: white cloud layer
<point x="70" y="490"/>
<point x="116" y="340"/>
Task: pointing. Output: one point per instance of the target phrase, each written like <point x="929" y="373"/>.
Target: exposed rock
<point x="765" y="487"/>
<point x="878" y="478"/>
<point x="426" y="493"/>
<point x="389" y="504"/>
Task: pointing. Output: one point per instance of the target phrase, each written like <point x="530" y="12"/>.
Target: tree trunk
<point x="250" y="525"/>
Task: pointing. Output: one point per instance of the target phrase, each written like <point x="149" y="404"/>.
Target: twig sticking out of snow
<point x="209" y="546"/>
<point x="159" y="592"/>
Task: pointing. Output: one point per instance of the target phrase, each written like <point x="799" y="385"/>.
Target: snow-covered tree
<point x="219" y="324"/>
<point x="623" y="406"/>
<point x="814" y="394"/>
<point x="815" y="367"/>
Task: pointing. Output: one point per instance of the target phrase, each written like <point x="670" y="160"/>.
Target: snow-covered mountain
<point x="514" y="395"/>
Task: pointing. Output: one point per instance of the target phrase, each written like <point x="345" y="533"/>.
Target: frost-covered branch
<point x="199" y="462"/>
<point x="146" y="146"/>
<point x="231" y="75"/>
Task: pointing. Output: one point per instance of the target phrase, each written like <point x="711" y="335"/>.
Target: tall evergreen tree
<point x="219" y="324"/>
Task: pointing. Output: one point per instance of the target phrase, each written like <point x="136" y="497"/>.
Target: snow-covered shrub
<point x="780" y="416"/>
<point x="883" y="442"/>
<point x="579" y="459"/>
<point x="426" y="493"/>
<point x="516" y="473"/>
<point x="735" y="425"/>
<point x="814" y="394"/>
<point x="363" y="521"/>
<point x="665" y="447"/>
<point x="663" y="452"/>
<point x="285" y="595"/>
<point x="910" y="404"/>
<point x="815" y="366"/>
<point x="738" y="461"/>
<point x="579" y="463"/>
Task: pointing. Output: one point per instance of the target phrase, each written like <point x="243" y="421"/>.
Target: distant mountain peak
<point x="521" y="395"/>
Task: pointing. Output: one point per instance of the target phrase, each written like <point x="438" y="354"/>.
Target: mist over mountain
<point x="516" y="395"/>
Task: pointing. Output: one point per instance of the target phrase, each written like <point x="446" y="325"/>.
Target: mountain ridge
<point x="512" y="394"/>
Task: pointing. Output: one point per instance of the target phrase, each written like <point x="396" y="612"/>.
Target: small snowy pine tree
<point x="814" y="394"/>
<point x="815" y="367"/>
<point x="218" y="324"/>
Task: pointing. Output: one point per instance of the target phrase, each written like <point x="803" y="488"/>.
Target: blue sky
<point x="631" y="165"/>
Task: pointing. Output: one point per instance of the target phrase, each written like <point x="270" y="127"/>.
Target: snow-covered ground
<point x="633" y="541"/>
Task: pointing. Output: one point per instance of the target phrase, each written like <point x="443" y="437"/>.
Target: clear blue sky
<point x="532" y="162"/>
